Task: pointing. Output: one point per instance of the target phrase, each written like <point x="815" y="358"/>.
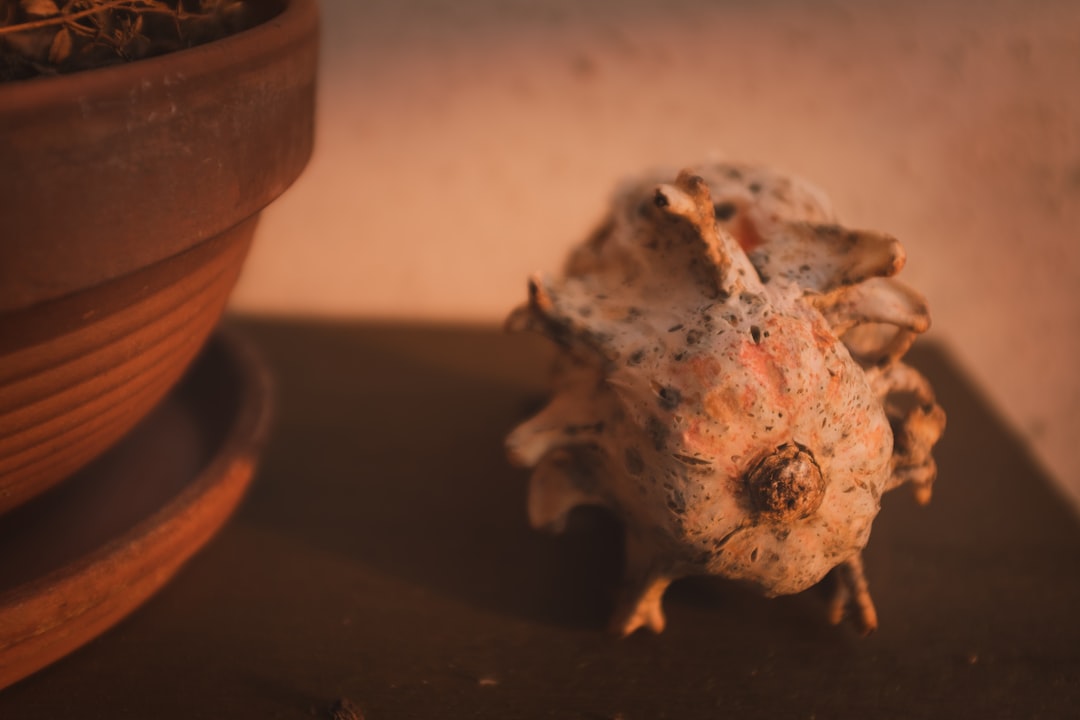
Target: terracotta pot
<point x="128" y="199"/>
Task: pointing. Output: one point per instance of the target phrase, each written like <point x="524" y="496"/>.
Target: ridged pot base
<point x="77" y="373"/>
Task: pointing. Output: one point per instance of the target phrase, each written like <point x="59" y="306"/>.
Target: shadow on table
<point x="389" y="449"/>
<point x="383" y="555"/>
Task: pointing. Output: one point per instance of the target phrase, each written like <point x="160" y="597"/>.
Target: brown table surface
<point x="383" y="558"/>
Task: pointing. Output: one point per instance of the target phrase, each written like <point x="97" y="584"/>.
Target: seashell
<point x="730" y="385"/>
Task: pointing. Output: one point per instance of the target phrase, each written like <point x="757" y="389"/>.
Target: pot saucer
<point x="78" y="559"/>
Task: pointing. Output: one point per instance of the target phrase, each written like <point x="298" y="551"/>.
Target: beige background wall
<point x="465" y="144"/>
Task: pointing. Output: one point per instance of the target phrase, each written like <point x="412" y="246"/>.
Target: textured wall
<point x="464" y="144"/>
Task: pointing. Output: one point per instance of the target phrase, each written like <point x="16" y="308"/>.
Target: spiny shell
<point x="730" y="386"/>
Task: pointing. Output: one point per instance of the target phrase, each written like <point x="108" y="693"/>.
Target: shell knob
<point x="786" y="484"/>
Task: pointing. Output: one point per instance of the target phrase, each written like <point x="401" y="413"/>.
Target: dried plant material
<point x="730" y="385"/>
<point x="39" y="8"/>
<point x="345" y="709"/>
<point x="60" y="48"/>
<point x="44" y="37"/>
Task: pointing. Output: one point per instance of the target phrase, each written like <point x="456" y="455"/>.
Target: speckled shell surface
<point x="729" y="385"/>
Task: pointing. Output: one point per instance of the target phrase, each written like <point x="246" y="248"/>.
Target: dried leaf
<point x="39" y="8"/>
<point x="61" y="47"/>
<point x="32" y="46"/>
